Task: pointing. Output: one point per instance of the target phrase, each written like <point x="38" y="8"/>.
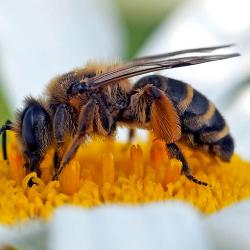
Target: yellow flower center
<point x="105" y="172"/>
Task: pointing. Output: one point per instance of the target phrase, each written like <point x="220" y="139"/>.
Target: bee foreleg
<point x="104" y="120"/>
<point x="85" y="123"/>
<point x="63" y="126"/>
<point x="176" y="153"/>
<point x="3" y="129"/>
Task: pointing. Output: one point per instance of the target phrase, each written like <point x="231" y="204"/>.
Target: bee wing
<point x="186" y="51"/>
<point x="155" y="63"/>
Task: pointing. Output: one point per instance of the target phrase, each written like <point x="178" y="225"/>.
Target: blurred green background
<point x="141" y="18"/>
<point x="4" y="107"/>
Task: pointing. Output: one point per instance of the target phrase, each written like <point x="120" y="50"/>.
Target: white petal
<point x="168" y="225"/>
<point x="229" y="228"/>
<point x="189" y="27"/>
<point x="28" y="236"/>
<point x="238" y="116"/>
<point x="40" y="39"/>
<point x="197" y="24"/>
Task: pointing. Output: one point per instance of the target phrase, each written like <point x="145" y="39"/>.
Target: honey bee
<point x="98" y="98"/>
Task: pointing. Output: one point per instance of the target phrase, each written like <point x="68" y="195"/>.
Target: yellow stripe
<point x="208" y="115"/>
<point x="212" y="137"/>
<point x="182" y="105"/>
<point x="198" y="121"/>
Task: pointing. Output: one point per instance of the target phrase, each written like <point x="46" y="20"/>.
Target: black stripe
<point x="216" y="123"/>
<point x="176" y="90"/>
<point x="198" y="106"/>
<point x="226" y="145"/>
<point x="158" y="81"/>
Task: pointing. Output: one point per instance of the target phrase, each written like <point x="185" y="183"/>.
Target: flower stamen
<point x="143" y="174"/>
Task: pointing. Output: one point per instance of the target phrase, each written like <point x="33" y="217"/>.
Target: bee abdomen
<point x="215" y="133"/>
<point x="180" y="93"/>
<point x="200" y="119"/>
<point x="223" y="148"/>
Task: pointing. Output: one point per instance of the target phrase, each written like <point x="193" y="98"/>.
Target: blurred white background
<point x="40" y="39"/>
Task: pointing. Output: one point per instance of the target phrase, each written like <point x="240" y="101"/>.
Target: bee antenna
<point x="3" y="129"/>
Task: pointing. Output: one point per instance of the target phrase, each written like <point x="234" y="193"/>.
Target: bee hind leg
<point x="3" y="129"/>
<point x="175" y="152"/>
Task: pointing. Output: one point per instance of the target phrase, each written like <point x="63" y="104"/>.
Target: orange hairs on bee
<point x="165" y="121"/>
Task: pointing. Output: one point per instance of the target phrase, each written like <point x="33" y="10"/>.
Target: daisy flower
<point x="110" y="196"/>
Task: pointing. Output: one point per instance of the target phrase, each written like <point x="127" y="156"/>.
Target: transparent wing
<point x="158" y="62"/>
<point x="182" y="52"/>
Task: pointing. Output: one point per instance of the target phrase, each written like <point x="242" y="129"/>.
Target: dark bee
<point x="98" y="98"/>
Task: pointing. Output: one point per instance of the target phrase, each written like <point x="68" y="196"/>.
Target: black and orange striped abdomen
<point x="201" y="121"/>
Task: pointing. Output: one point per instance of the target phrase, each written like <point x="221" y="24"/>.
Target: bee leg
<point x="56" y="159"/>
<point x="62" y="126"/>
<point x="85" y="123"/>
<point x="175" y="152"/>
<point x="35" y="134"/>
<point x="3" y="129"/>
<point x="131" y="135"/>
<point x="103" y="119"/>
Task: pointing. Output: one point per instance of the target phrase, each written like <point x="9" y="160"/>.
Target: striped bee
<point x="98" y="98"/>
<point x="201" y="124"/>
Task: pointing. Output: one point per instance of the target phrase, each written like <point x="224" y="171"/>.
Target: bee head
<point x="72" y="88"/>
